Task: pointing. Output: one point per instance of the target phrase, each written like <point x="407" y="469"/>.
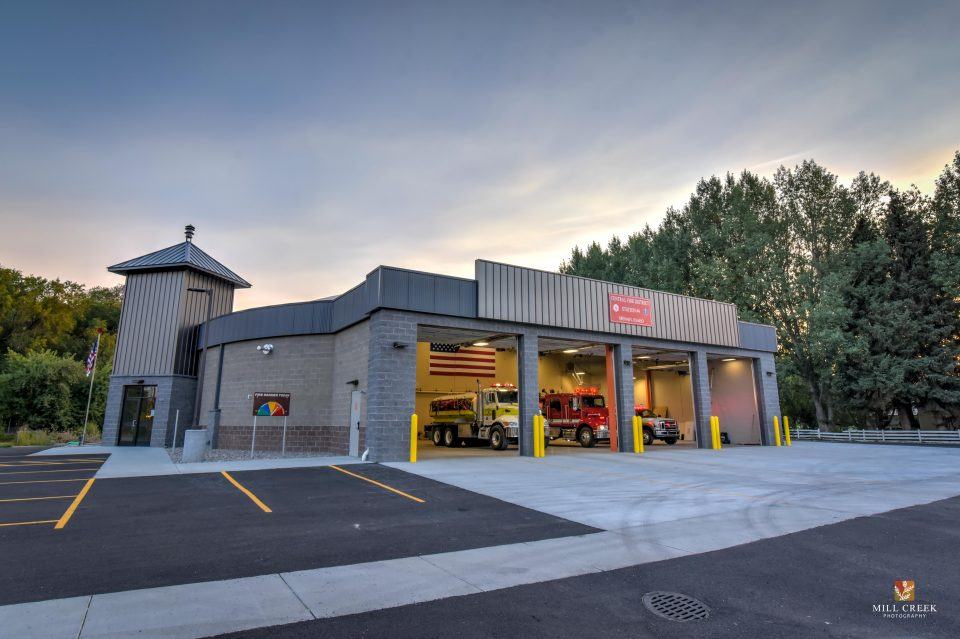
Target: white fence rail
<point x="881" y="436"/>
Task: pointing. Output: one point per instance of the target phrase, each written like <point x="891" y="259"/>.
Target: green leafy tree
<point x="60" y="316"/>
<point x="41" y="389"/>
<point x="836" y="269"/>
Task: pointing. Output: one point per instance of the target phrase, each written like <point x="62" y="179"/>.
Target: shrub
<point x="42" y="390"/>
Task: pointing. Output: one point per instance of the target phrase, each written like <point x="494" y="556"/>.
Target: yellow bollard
<point x="536" y="436"/>
<point x="543" y="436"/>
<point x="715" y="432"/>
<point x="637" y="436"/>
<point x="413" y="438"/>
<point x="786" y="431"/>
<point x="776" y="429"/>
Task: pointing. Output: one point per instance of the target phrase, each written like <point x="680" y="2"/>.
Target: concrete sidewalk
<point x="133" y="461"/>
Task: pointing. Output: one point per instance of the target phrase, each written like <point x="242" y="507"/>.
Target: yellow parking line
<point x="27" y="523"/>
<point x="31" y="464"/>
<point x="59" y="470"/>
<point x="39" y="481"/>
<point x="36" y="498"/>
<point x="376" y="483"/>
<point x="246" y="492"/>
<point x="73" y="506"/>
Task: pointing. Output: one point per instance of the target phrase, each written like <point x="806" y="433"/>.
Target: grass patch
<point x="47" y="437"/>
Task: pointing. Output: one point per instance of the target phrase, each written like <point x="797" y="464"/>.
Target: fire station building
<point x="344" y="374"/>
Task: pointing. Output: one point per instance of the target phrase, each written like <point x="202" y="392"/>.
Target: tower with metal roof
<point x="168" y="295"/>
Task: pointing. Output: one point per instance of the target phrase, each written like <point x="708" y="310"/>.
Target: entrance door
<point x="356" y="405"/>
<point x="136" y="415"/>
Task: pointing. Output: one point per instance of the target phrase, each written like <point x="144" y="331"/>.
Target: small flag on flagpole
<point x="92" y="357"/>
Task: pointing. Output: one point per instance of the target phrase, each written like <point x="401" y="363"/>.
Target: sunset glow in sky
<point x="310" y="142"/>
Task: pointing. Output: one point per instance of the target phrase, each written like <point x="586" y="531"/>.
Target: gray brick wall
<point x="624" y="391"/>
<point x="300" y="365"/>
<point x="768" y="395"/>
<point x="700" y="383"/>
<point x="528" y="373"/>
<point x="391" y="385"/>
<point x="351" y="362"/>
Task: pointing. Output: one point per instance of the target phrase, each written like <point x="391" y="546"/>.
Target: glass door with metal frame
<point x="136" y="415"/>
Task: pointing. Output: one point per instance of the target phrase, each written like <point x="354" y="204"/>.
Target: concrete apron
<point x="658" y="506"/>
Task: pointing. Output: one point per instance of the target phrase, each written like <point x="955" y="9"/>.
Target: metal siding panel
<point x="516" y="299"/>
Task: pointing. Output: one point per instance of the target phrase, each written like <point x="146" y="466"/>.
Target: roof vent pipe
<point x="188" y="230"/>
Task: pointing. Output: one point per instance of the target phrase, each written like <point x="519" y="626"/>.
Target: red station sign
<point x="626" y="309"/>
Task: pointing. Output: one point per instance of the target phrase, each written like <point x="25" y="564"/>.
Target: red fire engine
<point x="580" y="416"/>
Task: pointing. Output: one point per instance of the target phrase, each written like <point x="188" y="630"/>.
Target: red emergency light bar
<point x="586" y="390"/>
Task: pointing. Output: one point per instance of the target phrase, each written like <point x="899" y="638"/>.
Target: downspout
<point x="215" y="413"/>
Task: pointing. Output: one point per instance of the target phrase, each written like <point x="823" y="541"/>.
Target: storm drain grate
<point x="675" y="606"/>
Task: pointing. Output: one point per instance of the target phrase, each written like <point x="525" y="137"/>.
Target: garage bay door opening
<point x="467" y="395"/>
<point x="577" y="396"/>
<point x="663" y="397"/>
<point x="733" y="394"/>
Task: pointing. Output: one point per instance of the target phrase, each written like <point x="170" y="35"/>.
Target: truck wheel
<point x="437" y="437"/>
<point x="586" y="437"/>
<point x="498" y="440"/>
<point x="450" y="437"/>
<point x="647" y="436"/>
<point x="671" y="440"/>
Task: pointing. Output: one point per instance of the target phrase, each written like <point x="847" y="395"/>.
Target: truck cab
<point x="657" y="427"/>
<point x="580" y="416"/>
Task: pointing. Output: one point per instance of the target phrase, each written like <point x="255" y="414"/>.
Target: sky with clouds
<point x="310" y="142"/>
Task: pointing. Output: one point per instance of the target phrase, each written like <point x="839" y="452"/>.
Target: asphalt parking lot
<point x="155" y="531"/>
<point x="821" y="582"/>
<point x="39" y="492"/>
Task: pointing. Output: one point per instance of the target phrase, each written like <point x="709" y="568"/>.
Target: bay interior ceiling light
<point x="570" y="350"/>
<point x="729" y="359"/>
<point x="645" y="357"/>
<point x="481" y="343"/>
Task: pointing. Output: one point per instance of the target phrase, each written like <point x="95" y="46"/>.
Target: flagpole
<point x="93" y="374"/>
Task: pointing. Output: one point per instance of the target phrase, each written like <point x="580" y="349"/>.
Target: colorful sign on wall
<point x="271" y="404"/>
<point x="626" y="309"/>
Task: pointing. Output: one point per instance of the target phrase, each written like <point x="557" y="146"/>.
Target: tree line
<point x="861" y="281"/>
<point x="47" y="328"/>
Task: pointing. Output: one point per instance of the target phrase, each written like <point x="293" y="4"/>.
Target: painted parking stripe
<point x="39" y="481"/>
<point x="246" y="492"/>
<point x="42" y="464"/>
<point x="29" y="523"/>
<point x="3" y="501"/>
<point x="73" y="506"/>
<point x="33" y="472"/>
<point x="376" y="483"/>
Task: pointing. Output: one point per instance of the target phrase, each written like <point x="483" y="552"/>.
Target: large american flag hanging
<point x="463" y="361"/>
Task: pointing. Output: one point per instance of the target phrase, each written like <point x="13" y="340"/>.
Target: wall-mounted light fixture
<point x="399" y="345"/>
<point x="769" y="373"/>
<point x="627" y="362"/>
<point x="353" y="382"/>
<point x="266" y="349"/>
